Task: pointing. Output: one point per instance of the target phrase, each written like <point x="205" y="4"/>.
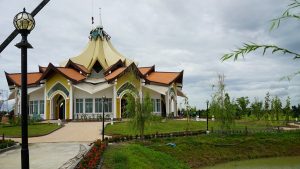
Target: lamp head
<point x="24" y="22"/>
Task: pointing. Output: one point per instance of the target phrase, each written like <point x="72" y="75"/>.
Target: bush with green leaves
<point x="140" y="112"/>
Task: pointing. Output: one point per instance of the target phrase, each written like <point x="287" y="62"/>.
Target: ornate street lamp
<point x="103" y="104"/>
<point x="24" y="23"/>
<point x="207" y="102"/>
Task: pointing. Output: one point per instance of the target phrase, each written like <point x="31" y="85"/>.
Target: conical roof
<point x="99" y="49"/>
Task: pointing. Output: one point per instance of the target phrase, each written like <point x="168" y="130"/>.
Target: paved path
<point x="71" y="132"/>
<point x="41" y="155"/>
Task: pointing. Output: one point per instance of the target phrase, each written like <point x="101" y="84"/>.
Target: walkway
<point x="42" y="155"/>
<point x="71" y="132"/>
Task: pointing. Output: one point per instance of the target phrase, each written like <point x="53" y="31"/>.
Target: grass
<point x="133" y="156"/>
<point x="269" y="163"/>
<point x="124" y="128"/>
<point x="203" y="150"/>
<point x="209" y="150"/>
<point x="33" y="130"/>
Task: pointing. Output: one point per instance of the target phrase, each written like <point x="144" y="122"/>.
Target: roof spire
<point x="92" y="14"/>
<point x="100" y="19"/>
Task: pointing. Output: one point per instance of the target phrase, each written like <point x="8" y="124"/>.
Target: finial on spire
<point x="100" y="19"/>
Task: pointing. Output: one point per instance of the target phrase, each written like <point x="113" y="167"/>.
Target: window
<point x="98" y="105"/>
<point x="153" y="105"/>
<point x="108" y="105"/>
<point x="41" y="106"/>
<point x="157" y="105"/>
<point x="79" y="105"/>
<point x="33" y="107"/>
<point x="89" y="105"/>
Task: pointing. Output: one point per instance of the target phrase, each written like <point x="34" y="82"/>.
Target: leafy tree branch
<point x="286" y="14"/>
<point x="250" y="47"/>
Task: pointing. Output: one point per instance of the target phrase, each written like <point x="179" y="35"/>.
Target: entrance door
<point x="62" y="110"/>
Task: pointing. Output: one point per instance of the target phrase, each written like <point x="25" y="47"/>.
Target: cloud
<point x="186" y="35"/>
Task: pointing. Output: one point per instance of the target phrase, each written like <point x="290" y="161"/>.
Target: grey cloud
<point x="182" y="35"/>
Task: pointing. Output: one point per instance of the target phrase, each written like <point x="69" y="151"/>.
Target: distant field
<point x="124" y="128"/>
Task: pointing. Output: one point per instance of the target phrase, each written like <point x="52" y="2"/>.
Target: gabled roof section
<point x="15" y="78"/>
<point x="122" y="70"/>
<point x="77" y="66"/>
<point x="147" y="70"/>
<point x="165" y="78"/>
<point x="42" y="69"/>
<point x="68" y="73"/>
<point x="114" y="67"/>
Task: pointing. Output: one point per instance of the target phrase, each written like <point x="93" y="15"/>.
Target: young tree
<point x="267" y="106"/>
<point x="222" y="107"/>
<point x="276" y="108"/>
<point x="242" y="104"/>
<point x="140" y="111"/>
<point x="256" y="109"/>
<point x="287" y="110"/>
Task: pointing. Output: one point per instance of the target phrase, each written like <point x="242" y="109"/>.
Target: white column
<point x="71" y="102"/>
<point x="16" y="101"/>
<point x="167" y="103"/>
<point x="114" y="100"/>
<point x="141" y="90"/>
<point x="45" y="101"/>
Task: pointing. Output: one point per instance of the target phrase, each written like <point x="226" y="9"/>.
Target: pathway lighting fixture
<point x="207" y="102"/>
<point x="24" y="23"/>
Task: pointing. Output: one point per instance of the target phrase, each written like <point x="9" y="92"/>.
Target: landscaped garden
<point x="37" y="129"/>
<point x="201" y="151"/>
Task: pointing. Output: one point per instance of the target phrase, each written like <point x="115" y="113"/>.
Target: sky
<point x="174" y="35"/>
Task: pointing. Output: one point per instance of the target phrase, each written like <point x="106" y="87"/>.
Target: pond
<point x="262" y="163"/>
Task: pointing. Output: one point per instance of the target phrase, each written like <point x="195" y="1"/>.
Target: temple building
<point x="74" y="89"/>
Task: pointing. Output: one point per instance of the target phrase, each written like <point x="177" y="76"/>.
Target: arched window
<point x="127" y="86"/>
<point x="57" y="87"/>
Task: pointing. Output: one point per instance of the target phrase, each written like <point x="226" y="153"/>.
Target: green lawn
<point x="33" y="130"/>
<point x="207" y="150"/>
<point x="124" y="128"/>
<point x="133" y="156"/>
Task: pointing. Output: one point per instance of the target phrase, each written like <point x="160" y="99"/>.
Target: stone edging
<point x="9" y="148"/>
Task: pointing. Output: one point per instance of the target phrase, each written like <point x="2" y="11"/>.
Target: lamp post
<point x="207" y="102"/>
<point x="103" y="103"/>
<point x="24" y="23"/>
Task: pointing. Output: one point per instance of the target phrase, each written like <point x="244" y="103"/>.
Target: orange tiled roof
<point x="144" y="70"/>
<point x="163" y="77"/>
<point x="115" y="73"/>
<point x="83" y="68"/>
<point x="32" y="78"/>
<point x="71" y="73"/>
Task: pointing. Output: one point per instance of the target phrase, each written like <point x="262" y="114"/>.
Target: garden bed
<point x="4" y="144"/>
<point x="93" y="157"/>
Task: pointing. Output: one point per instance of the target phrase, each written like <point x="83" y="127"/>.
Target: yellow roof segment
<point x="99" y="48"/>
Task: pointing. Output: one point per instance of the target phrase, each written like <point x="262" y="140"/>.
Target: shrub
<point x="6" y="143"/>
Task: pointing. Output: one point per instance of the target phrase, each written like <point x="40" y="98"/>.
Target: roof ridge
<point x="27" y="73"/>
